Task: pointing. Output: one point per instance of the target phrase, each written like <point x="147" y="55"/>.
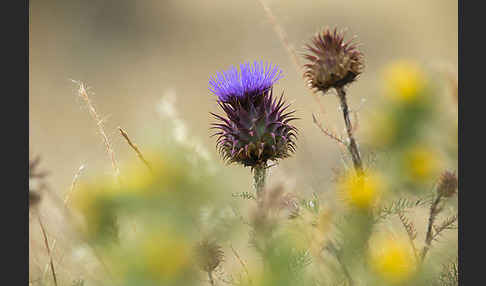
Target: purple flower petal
<point x="251" y="80"/>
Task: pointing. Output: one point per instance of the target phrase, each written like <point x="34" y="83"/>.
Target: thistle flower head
<point x="209" y="255"/>
<point x="250" y="81"/>
<point x="333" y="63"/>
<point x="447" y="184"/>
<point x="257" y="124"/>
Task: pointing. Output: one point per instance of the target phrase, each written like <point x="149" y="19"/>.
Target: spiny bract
<point x="257" y="127"/>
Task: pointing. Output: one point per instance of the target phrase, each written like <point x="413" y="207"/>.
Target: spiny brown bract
<point x="256" y="130"/>
<point x="333" y="62"/>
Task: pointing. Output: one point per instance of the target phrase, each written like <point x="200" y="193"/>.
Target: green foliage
<point x="398" y="206"/>
<point x="176" y="222"/>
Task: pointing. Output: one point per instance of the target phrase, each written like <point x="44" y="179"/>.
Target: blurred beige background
<point x="131" y="53"/>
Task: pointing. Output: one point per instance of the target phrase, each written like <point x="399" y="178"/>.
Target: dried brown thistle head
<point x="36" y="181"/>
<point x="333" y="63"/>
<point x="209" y="255"/>
<point x="448" y="183"/>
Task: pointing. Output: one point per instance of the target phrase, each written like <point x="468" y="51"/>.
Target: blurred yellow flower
<point x="392" y="259"/>
<point x="361" y="191"/>
<point x="149" y="178"/>
<point x="422" y="163"/>
<point x="137" y="179"/>
<point x="404" y="80"/>
<point x="83" y="198"/>
<point x="165" y="255"/>
<point x="88" y="200"/>
<point x="382" y="129"/>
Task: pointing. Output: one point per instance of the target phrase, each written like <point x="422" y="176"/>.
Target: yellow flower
<point x="404" y="81"/>
<point x="392" y="259"/>
<point x="148" y="178"/>
<point x="361" y="191"/>
<point x="165" y="255"/>
<point x="88" y="200"/>
<point x="382" y="129"/>
<point x="137" y="179"/>
<point x="83" y="198"/>
<point x="422" y="163"/>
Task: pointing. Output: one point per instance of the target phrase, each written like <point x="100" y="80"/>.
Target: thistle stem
<point x="259" y="176"/>
<point x="353" y="145"/>
<point x="434" y="210"/>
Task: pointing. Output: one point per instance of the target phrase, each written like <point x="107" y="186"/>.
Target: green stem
<point x="259" y="176"/>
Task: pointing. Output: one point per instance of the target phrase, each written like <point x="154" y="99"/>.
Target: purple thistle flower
<point x="250" y="81"/>
<point x="256" y="127"/>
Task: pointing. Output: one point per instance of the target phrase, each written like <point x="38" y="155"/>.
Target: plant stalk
<point x="352" y="145"/>
<point x="434" y="210"/>
<point x="211" y="279"/>
<point x="259" y="176"/>
<point x="46" y="242"/>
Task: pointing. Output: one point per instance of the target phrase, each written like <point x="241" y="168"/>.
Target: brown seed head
<point x="447" y="184"/>
<point x="209" y="255"/>
<point x="333" y="63"/>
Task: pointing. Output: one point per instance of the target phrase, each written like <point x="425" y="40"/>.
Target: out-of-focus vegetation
<point x="173" y="218"/>
<point x="174" y="214"/>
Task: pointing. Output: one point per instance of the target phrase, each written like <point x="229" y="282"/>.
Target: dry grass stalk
<point x="66" y="201"/>
<point x="48" y="264"/>
<point x="73" y="184"/>
<point x="242" y="264"/>
<point x="134" y="147"/>
<point x="50" y="247"/>
<point x="99" y="122"/>
<point x="46" y="242"/>
<point x="282" y="35"/>
<point x="285" y="42"/>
